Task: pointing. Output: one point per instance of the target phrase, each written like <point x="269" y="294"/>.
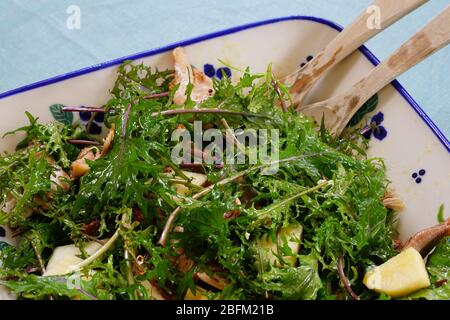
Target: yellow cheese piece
<point x="400" y="275"/>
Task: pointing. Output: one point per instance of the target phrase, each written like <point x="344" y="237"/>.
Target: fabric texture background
<point x="36" y="44"/>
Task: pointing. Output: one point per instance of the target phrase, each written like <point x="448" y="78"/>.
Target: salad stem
<point x="84" y="142"/>
<point x="41" y="263"/>
<point x="125" y="121"/>
<point x="174" y="111"/>
<point x="123" y="134"/>
<point x="83" y="109"/>
<point x="97" y="254"/>
<point x="265" y="212"/>
<point x="345" y="281"/>
<point x="94" y="239"/>
<point x="91" y="120"/>
<point x="280" y="96"/>
<point x="87" y="294"/>
<point x="218" y="111"/>
<point x="230" y="135"/>
<point x="156" y="95"/>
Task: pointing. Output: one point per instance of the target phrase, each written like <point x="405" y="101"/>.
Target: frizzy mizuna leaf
<point x="129" y="198"/>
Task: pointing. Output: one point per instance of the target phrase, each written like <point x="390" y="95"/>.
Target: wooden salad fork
<point x="345" y="43"/>
<point x="337" y="111"/>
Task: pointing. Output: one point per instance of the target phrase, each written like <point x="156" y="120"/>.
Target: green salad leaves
<point x="325" y="184"/>
<point x="438" y="266"/>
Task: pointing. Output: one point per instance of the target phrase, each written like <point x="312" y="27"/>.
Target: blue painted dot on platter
<point x="2" y="232"/>
<point x="84" y="115"/>
<point x="94" y="128"/>
<point x="211" y="71"/>
<point x="418" y="176"/>
<point x="223" y="72"/>
<point x="99" y="117"/>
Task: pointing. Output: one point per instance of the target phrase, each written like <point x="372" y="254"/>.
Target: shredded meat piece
<point x="80" y="167"/>
<point x="215" y="281"/>
<point x="425" y="240"/>
<point x="392" y="201"/>
<point x="185" y="74"/>
<point x="60" y="178"/>
<point x="138" y="215"/>
<point x="233" y="213"/>
<point x="184" y="263"/>
<point x="9" y="204"/>
<point x="91" y="227"/>
<point x="107" y="142"/>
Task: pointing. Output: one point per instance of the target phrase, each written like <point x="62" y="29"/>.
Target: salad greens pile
<point x="326" y="189"/>
<point x="438" y="267"/>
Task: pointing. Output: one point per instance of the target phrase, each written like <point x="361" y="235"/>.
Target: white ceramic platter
<point x="416" y="153"/>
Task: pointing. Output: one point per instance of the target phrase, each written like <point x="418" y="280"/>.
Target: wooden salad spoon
<point x="338" y="110"/>
<point x="346" y="42"/>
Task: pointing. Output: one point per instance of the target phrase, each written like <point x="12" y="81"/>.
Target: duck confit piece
<point x="425" y="240"/>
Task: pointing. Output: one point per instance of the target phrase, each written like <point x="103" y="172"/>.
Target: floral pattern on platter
<point x="94" y="125"/>
<point x="418" y="176"/>
<point x="375" y="128"/>
<point x="59" y="115"/>
<point x="211" y="71"/>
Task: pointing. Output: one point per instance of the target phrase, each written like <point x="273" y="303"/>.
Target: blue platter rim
<point x="369" y="55"/>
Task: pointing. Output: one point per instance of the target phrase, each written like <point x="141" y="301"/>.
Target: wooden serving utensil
<point x="337" y="111"/>
<point x="346" y="42"/>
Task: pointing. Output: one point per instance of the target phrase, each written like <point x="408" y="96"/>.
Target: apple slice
<point x="66" y="257"/>
<point x="400" y="275"/>
<point x="198" y="179"/>
<point x="290" y="235"/>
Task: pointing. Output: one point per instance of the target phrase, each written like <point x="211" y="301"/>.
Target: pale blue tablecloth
<point x="35" y="43"/>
